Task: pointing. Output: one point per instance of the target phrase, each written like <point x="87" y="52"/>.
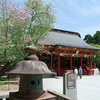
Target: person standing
<point x="80" y="72"/>
<point x="76" y="72"/>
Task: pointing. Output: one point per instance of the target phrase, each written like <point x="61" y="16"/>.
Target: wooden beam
<point x="69" y="50"/>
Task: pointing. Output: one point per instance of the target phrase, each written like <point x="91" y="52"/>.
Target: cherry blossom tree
<point x="20" y="27"/>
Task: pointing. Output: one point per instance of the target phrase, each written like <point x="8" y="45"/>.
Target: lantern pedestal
<point x="44" y="96"/>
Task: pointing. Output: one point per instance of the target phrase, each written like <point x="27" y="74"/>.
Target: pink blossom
<point x="11" y="3"/>
<point x="29" y="38"/>
<point x="10" y="24"/>
<point x="8" y="35"/>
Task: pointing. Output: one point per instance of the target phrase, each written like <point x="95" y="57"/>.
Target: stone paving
<point x="88" y="88"/>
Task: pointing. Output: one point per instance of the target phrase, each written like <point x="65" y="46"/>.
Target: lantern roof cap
<point x="30" y="67"/>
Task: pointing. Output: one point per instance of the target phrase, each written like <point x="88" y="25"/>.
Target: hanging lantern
<point x="60" y="54"/>
<point x="77" y="52"/>
<point x="73" y="55"/>
<point x="94" y="56"/>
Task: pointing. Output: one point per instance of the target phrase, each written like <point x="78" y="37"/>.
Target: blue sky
<point x="82" y="16"/>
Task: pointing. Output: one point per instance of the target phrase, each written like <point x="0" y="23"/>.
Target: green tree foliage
<point x="96" y="57"/>
<point x="42" y="18"/>
<point x="22" y="27"/>
<point x="88" y="38"/>
<point x="97" y="37"/>
<point x="94" y="41"/>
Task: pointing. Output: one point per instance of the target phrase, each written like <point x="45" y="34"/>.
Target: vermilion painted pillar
<point x="59" y="65"/>
<point x="40" y="57"/>
<point x="51" y="61"/>
<point x="81" y="63"/>
<point x="71" y="62"/>
<point x="87" y="61"/>
<point x="90" y="62"/>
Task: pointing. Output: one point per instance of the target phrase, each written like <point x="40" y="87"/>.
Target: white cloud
<point x="72" y="3"/>
<point x="65" y="19"/>
<point x="84" y="7"/>
<point x="94" y="0"/>
<point x="81" y="13"/>
<point x="62" y="14"/>
<point x="89" y="11"/>
<point x="89" y="30"/>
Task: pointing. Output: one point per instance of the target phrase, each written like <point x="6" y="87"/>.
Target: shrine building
<point x="65" y="51"/>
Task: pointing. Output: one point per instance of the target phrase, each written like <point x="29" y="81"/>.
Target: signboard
<point x="71" y="80"/>
<point x="70" y="85"/>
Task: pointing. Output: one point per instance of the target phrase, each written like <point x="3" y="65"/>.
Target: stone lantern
<point x="31" y="71"/>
